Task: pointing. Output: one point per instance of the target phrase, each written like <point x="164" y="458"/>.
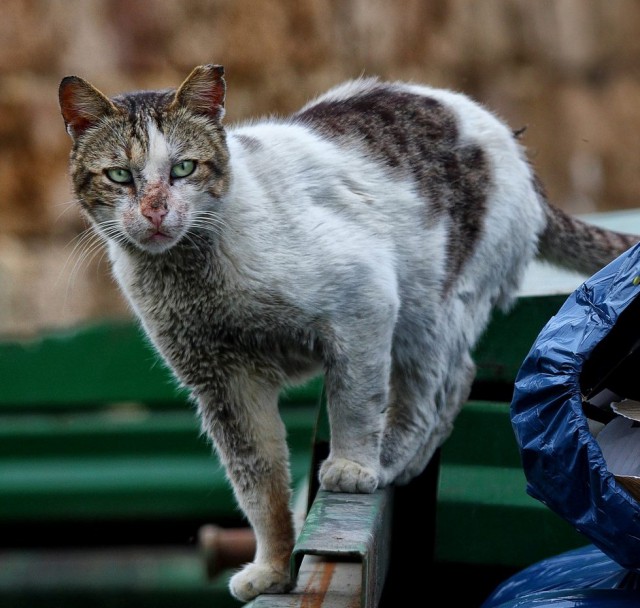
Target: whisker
<point x="85" y="249"/>
<point x="89" y="241"/>
<point x="68" y="206"/>
<point x="201" y="233"/>
<point x="83" y="238"/>
<point x="85" y="257"/>
<point x="208" y="220"/>
<point x="189" y="238"/>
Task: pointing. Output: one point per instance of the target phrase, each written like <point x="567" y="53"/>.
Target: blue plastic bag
<point x="582" y="577"/>
<point x="561" y="459"/>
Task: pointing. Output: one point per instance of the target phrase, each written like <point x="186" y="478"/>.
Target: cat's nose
<point x="155" y="216"/>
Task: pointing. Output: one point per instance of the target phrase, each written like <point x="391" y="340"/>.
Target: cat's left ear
<point x="82" y="105"/>
<point x="203" y="91"/>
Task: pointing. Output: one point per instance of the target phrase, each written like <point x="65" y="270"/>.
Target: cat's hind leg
<point x="357" y="370"/>
<point x="449" y="400"/>
<point x="429" y="385"/>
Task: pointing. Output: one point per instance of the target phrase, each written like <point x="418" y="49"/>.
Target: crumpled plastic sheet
<point x="562" y="461"/>
<point x="578" y="578"/>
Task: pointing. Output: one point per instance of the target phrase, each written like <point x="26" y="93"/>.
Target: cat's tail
<point x="575" y="244"/>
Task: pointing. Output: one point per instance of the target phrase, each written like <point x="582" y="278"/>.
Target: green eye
<point x="120" y="176"/>
<point x="183" y="168"/>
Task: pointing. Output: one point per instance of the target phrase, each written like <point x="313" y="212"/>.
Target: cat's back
<point x="430" y="137"/>
<point x="396" y="118"/>
<point x="464" y="162"/>
<point x="442" y="141"/>
<point x="470" y="173"/>
<point x="442" y="176"/>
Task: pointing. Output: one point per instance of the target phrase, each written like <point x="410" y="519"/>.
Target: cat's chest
<point x="194" y="314"/>
<point x="188" y="297"/>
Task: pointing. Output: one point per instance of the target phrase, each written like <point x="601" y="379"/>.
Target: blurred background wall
<point x="569" y="70"/>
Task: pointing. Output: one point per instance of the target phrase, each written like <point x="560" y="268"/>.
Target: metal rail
<point x="341" y="557"/>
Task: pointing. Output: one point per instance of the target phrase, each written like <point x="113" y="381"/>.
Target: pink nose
<point x="155" y="216"/>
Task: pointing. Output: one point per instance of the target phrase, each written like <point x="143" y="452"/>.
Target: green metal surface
<point x="484" y="514"/>
<point x="119" y="488"/>
<point x="115" y="431"/>
<point x="483" y="435"/>
<point x="108" y="362"/>
<point x="91" y="426"/>
<point x="509" y="337"/>
<point x="485" y="517"/>
<point x="112" y="362"/>
<point x="105" y="362"/>
<point x="122" y="462"/>
<point x="110" y="578"/>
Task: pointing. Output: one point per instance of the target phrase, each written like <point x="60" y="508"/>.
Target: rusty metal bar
<point x="321" y="583"/>
<point x="350" y="527"/>
<point x="341" y="557"/>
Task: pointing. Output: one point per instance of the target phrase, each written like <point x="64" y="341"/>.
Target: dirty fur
<point x="366" y="238"/>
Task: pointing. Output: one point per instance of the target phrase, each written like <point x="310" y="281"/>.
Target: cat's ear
<point x="82" y="105"/>
<point x="203" y="91"/>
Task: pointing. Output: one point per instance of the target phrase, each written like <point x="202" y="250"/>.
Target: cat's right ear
<point x="203" y="91"/>
<point x="82" y="105"/>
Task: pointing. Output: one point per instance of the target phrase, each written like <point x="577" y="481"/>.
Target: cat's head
<point x="149" y="167"/>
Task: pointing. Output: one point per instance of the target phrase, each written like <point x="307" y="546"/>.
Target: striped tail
<point x="577" y="245"/>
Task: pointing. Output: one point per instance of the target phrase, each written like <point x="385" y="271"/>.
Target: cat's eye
<point x="119" y="175"/>
<point x="183" y="169"/>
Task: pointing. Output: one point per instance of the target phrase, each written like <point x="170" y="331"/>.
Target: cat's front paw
<point x="255" y="579"/>
<point x="342" y="475"/>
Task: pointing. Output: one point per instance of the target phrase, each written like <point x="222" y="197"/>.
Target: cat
<point x="366" y="237"/>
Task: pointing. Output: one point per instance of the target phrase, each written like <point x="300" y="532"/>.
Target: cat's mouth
<point x="159" y="236"/>
<point x="157" y="240"/>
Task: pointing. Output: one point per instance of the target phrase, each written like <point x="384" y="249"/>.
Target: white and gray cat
<point x="366" y="237"/>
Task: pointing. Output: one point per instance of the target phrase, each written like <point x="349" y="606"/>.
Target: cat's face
<point x="149" y="168"/>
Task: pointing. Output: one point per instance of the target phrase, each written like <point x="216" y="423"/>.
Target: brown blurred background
<point x="567" y="69"/>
